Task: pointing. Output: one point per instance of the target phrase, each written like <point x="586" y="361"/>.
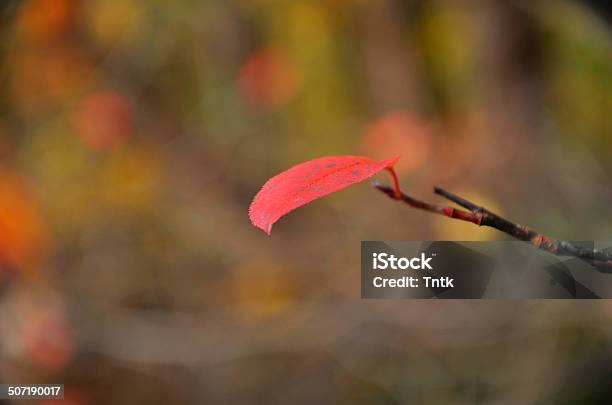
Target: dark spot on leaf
<point x="329" y="166"/>
<point x="355" y="172"/>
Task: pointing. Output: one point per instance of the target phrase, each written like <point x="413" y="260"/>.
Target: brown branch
<point x="480" y="216"/>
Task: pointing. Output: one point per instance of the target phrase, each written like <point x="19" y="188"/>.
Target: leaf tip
<point x="262" y="222"/>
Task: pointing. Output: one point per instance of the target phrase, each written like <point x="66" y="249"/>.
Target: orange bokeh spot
<point x="23" y="235"/>
<point x="43" y="77"/>
<point x="399" y="133"/>
<point x="45" y="19"/>
<point x="105" y="119"/>
<point x="269" y="78"/>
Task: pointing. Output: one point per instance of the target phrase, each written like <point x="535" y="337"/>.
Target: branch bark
<point x="599" y="258"/>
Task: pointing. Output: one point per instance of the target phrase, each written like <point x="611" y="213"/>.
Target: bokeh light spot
<point x="115" y="22"/>
<point x="23" y="234"/>
<point x="269" y="78"/>
<point x="451" y="229"/>
<point x="104" y="119"/>
<point x="262" y="290"/>
<point x="399" y="133"/>
<point x="45" y="19"/>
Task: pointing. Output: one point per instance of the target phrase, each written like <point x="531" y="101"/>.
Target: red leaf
<point x="310" y="180"/>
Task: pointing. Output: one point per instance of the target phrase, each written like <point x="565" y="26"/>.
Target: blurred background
<point x="134" y="134"/>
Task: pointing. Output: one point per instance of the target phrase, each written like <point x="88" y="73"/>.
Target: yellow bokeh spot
<point x="262" y="289"/>
<point x="306" y="25"/>
<point x="452" y="229"/>
<point x="115" y="22"/>
<point x="65" y="172"/>
<point x="130" y="178"/>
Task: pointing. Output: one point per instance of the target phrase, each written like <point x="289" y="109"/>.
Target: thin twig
<point x="480" y="216"/>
